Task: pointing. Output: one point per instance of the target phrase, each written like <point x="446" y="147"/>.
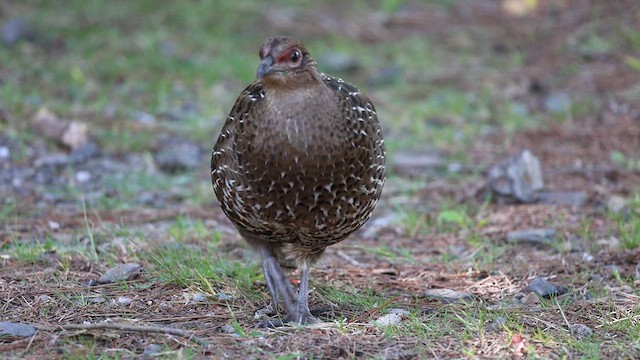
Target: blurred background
<point x="145" y="86"/>
<point x="109" y="111"/>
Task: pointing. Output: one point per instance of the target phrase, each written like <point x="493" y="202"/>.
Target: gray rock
<point x="532" y="236"/>
<point x="15" y="329"/>
<point x="178" y="156"/>
<point x="388" y="320"/>
<point x="574" y="198"/>
<point x="543" y="288"/>
<point x="15" y="30"/>
<point x="43" y="298"/>
<point x="121" y="272"/>
<point x="123" y="300"/>
<point x="84" y="153"/>
<point x="83" y="176"/>
<point x="227" y="329"/>
<point x="558" y="102"/>
<point x="496" y="325"/>
<point x="616" y="204"/>
<point x="223" y="297"/>
<point x="4" y="152"/>
<point x="581" y="330"/>
<point x="143" y="117"/>
<point x="199" y="297"/>
<point x="152" y="349"/>
<point x="400" y="312"/>
<point x="448" y="295"/>
<point x="518" y="177"/>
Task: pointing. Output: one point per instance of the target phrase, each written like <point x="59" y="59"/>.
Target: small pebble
<point x="388" y="319"/>
<point x="496" y="325"/>
<point x="199" y="297"/>
<point x="576" y="198"/>
<point x="152" y="349"/>
<point x="581" y="330"/>
<point x="83" y="176"/>
<point x="43" y="298"/>
<point x="223" y="297"/>
<point x="616" y="204"/>
<point x="121" y="272"/>
<point x="558" y="102"/>
<point x="227" y="329"/>
<point x="15" y="329"/>
<point x="4" y="152"/>
<point x="53" y="225"/>
<point x="544" y="288"/>
<point x="532" y="236"/>
<point x="587" y="257"/>
<point x="448" y="295"/>
<point x="124" y="300"/>
<point x="400" y="312"/>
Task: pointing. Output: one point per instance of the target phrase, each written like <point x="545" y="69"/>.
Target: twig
<point x="127" y="327"/>
<point x="563" y="316"/>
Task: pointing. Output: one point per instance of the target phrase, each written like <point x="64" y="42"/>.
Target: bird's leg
<point x="277" y="282"/>
<point x="301" y="314"/>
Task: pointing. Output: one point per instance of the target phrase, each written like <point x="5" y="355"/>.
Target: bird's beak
<point x="264" y="67"/>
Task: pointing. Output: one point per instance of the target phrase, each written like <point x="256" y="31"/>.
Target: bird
<point x="299" y="165"/>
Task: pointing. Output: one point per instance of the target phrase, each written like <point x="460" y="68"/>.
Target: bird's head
<point x="283" y="59"/>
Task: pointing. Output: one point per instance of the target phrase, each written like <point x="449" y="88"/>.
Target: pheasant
<point x="299" y="165"/>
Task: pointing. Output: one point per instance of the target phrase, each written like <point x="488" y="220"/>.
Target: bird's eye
<point x="294" y="56"/>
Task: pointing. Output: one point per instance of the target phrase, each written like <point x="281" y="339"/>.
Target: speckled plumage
<point x="300" y="162"/>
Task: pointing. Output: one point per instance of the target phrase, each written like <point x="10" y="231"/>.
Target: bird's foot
<point x="301" y="318"/>
<point x="293" y="318"/>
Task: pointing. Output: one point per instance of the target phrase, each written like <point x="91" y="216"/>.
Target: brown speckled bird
<point x="298" y="166"/>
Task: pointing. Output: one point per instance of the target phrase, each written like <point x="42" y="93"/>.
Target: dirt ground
<point x="390" y="262"/>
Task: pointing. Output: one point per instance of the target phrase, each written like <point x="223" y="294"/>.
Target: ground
<point x="458" y="85"/>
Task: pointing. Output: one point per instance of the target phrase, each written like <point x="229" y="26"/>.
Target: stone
<point x="518" y="177"/>
<point x="121" y="272"/>
<point x="581" y="330"/>
<point x="15" y="30"/>
<point x="496" y="325"/>
<point x="152" y="350"/>
<point x="544" y="288"/>
<point x="448" y="295"/>
<point x="175" y="156"/>
<point x="558" y="102"/>
<point x="532" y="236"/>
<point x="616" y="204"/>
<point x="16" y="329"/>
<point x="388" y="320"/>
<point x="574" y="198"/>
